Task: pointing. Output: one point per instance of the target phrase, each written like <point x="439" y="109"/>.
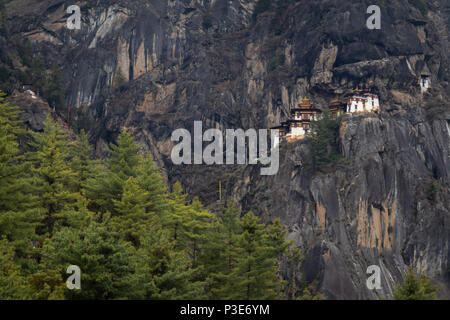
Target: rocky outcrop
<point x="154" y="66"/>
<point x="373" y="208"/>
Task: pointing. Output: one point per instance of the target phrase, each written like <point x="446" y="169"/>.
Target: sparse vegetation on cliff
<point x="415" y="288"/>
<point x="323" y="142"/>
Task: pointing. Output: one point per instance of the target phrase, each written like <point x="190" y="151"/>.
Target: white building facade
<point x="366" y="102"/>
<point x="296" y="131"/>
<point x="425" y="83"/>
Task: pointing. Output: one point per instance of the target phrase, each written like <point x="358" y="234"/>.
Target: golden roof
<point x="305" y="104"/>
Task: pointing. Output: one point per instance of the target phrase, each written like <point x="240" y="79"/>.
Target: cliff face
<point x="154" y="66"/>
<point x="373" y="209"/>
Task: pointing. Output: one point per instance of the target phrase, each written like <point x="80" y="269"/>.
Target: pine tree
<point x="47" y="285"/>
<point x="107" y="262"/>
<point x="132" y="215"/>
<point x="323" y="142"/>
<point x="231" y="228"/>
<point x="310" y="294"/>
<point x="256" y="274"/>
<point x="124" y="156"/>
<point x="415" y="288"/>
<point x="81" y="164"/>
<point x="187" y="222"/>
<point x="176" y="218"/>
<point x="149" y="179"/>
<point x="101" y="190"/>
<point x="55" y="179"/>
<point x="77" y="216"/>
<point x="19" y="213"/>
<point x="294" y="258"/>
<point x="274" y="246"/>
<point x="221" y="251"/>
<point x="145" y="244"/>
<point x="108" y="183"/>
<point x="153" y="259"/>
<point x="13" y="285"/>
<point x="197" y="225"/>
<point x="246" y="266"/>
<point x="165" y="271"/>
<point x="180" y="281"/>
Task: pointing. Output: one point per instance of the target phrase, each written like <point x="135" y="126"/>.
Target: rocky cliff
<point x="154" y="66"/>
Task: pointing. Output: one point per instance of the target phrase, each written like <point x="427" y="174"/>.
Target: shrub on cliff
<point x="415" y="288"/>
<point x="323" y="143"/>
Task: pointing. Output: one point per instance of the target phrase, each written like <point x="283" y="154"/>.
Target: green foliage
<point x="19" y="214"/>
<point x="131" y="238"/>
<point x="131" y="210"/>
<point x="415" y="288"/>
<point x="431" y="190"/>
<point x="294" y="259"/>
<point x="323" y="143"/>
<point x="105" y="259"/>
<point x="197" y="224"/>
<point x="107" y="185"/>
<point x="46" y="285"/>
<point x="256" y="270"/>
<point x="124" y="156"/>
<point x="53" y="174"/>
<point x="82" y="166"/>
<point x="150" y="179"/>
<point x="220" y="253"/>
<point x="421" y="5"/>
<point x="310" y="294"/>
<point x="252" y="266"/>
<point x="188" y="223"/>
<point x="12" y="284"/>
<point x="165" y="270"/>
